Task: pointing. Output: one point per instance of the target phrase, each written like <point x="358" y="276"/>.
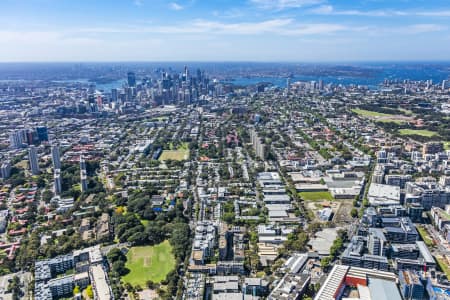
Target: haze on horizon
<point x="224" y="30"/>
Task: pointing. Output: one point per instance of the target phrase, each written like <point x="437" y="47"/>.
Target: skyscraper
<point x="186" y="73"/>
<point x="114" y="95"/>
<point x="83" y="175"/>
<point x="5" y="170"/>
<point x="131" y="79"/>
<point x="42" y="133"/>
<point x="321" y="84"/>
<point x="57" y="182"/>
<point x="15" y="139"/>
<point x="56" y="159"/>
<point x="33" y="160"/>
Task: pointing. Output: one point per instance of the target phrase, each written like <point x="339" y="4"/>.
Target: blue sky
<point x="224" y="30"/>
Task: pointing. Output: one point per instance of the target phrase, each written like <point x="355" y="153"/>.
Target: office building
<point x="367" y="283"/>
<point x="42" y="133"/>
<point x="399" y="230"/>
<point x="427" y="194"/>
<point x="376" y="241"/>
<point x="432" y="148"/>
<point x="33" y="160"/>
<point x="411" y="286"/>
<point x="131" y="79"/>
<point x="383" y="194"/>
<point x="397" y="180"/>
<point x="404" y="251"/>
<point x="114" y="95"/>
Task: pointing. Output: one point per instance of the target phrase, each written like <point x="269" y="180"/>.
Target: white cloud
<point x="443" y="13"/>
<point x="314" y="29"/>
<point x="274" y="26"/>
<point x="419" y="30"/>
<point x="423" y="28"/>
<point x="279" y="26"/>
<point x="228" y="14"/>
<point x="323" y="10"/>
<point x="28" y="37"/>
<point x="243" y="38"/>
<point x="283" y="4"/>
<point x="330" y="10"/>
<point x="175" y="6"/>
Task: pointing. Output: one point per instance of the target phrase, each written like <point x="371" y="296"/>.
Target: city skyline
<point x="249" y="30"/>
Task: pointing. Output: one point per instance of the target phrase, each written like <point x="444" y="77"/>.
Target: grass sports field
<point x="421" y="132"/>
<point x="316" y="196"/>
<point x="149" y="263"/>
<point x="381" y="117"/>
<point x="181" y="153"/>
<point x="368" y="113"/>
<point x="174" y="155"/>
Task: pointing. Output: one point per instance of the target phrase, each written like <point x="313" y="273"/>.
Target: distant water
<point x="106" y="87"/>
<point x="435" y="72"/>
<point x="369" y="74"/>
<point x="110" y="85"/>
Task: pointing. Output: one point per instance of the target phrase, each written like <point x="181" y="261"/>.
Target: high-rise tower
<point x="131" y="79"/>
<point x="33" y="160"/>
<point x="56" y="159"/>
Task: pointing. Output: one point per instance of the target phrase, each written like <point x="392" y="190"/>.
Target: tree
<point x="297" y="240"/>
<point x="365" y="202"/>
<point x="155" y="234"/>
<point x="119" y="268"/>
<point x="228" y="217"/>
<point x="314" y="227"/>
<point x="14" y="287"/>
<point x="325" y="262"/>
<point x="41" y="182"/>
<point x="138" y="237"/>
<point x="76" y="290"/>
<point x="180" y="240"/>
<point x="116" y="255"/>
<point x="354" y="212"/>
<point x="90" y="292"/>
<point x="150" y="284"/>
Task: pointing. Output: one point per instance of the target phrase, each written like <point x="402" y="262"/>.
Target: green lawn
<point x="181" y="153"/>
<point x="447" y="145"/>
<point x="22" y="164"/>
<point x="443" y="265"/>
<point x="406" y="111"/>
<point x="368" y="113"/>
<point x="174" y="155"/>
<point x="421" y="132"/>
<point x="377" y="116"/>
<point x="425" y="236"/>
<point x="149" y="263"/>
<point x="316" y="196"/>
